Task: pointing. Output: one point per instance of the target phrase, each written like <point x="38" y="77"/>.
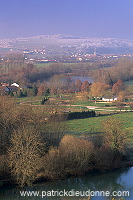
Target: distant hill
<point x="60" y="42"/>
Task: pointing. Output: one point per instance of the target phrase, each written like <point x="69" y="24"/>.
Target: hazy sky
<point x="91" y="18"/>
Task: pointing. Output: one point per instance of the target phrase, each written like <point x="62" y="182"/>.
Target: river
<point x="117" y="180"/>
<point x="82" y="78"/>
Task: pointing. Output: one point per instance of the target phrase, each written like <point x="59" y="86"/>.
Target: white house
<point x="15" y="84"/>
<point x="109" y="99"/>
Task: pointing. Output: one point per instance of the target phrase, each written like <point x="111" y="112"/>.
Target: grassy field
<point x="72" y="64"/>
<point x="27" y="99"/>
<point x="73" y="102"/>
<point x="92" y="103"/>
<point x="94" y="124"/>
<point x="45" y="65"/>
<point x="81" y="126"/>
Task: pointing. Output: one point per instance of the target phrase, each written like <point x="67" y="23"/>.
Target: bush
<point x="4" y="169"/>
<point x="44" y="100"/>
<point x="53" y="164"/>
<point x="72" y="157"/>
<point x="106" y="158"/>
<point x="77" y="154"/>
<point x="81" y="115"/>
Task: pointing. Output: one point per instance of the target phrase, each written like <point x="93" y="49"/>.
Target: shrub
<point x="81" y="115"/>
<point x="72" y="157"/>
<point x="106" y="158"/>
<point x="4" y="169"/>
<point x="44" y="100"/>
<point x="53" y="164"/>
<point x="77" y="154"/>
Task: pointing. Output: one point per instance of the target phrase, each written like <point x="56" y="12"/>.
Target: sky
<point x="85" y="18"/>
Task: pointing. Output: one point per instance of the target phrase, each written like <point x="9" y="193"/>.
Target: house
<point x="15" y="84"/>
<point x="109" y="99"/>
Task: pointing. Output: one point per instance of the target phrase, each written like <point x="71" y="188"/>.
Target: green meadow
<point x="94" y="125"/>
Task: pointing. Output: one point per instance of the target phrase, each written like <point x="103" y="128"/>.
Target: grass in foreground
<point x="94" y="124"/>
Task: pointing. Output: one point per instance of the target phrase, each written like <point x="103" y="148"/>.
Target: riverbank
<point x="11" y="182"/>
<point x="120" y="178"/>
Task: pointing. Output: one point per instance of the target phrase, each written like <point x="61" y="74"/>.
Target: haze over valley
<point x="66" y="48"/>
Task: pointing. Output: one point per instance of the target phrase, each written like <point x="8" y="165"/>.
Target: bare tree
<point x="115" y="136"/>
<point x="24" y="155"/>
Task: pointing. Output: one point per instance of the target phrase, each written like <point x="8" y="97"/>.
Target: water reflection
<point x="118" y="180"/>
<point x="82" y="78"/>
